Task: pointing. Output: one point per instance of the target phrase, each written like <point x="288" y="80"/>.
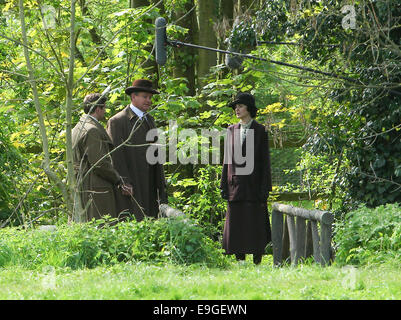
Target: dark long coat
<point x="98" y="189"/>
<point x="247" y="227"/>
<point x="147" y="179"/>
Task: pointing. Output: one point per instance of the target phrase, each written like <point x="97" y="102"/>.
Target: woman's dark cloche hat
<point x="141" y="85"/>
<point x="244" y="98"/>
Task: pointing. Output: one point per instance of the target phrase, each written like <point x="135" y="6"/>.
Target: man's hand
<point x="126" y="189"/>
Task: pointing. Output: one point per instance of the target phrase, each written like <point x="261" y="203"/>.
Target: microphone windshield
<point x="161" y="41"/>
<point x="233" y="61"/>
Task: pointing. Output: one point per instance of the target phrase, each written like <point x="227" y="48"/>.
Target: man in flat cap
<point x="127" y="130"/>
<point x="98" y="181"/>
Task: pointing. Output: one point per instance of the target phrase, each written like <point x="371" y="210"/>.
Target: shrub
<point x="5" y="254"/>
<point x="100" y="242"/>
<point x="204" y="203"/>
<point x="369" y="235"/>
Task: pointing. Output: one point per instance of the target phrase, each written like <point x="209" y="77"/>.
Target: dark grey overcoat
<point x="98" y="188"/>
<point x="147" y="180"/>
<point x="247" y="227"/>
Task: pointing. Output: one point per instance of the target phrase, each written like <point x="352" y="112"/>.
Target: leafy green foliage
<point x="242" y="36"/>
<point x="369" y="235"/>
<point x="102" y="242"/>
<point x="271" y="21"/>
<point x="10" y="164"/>
<point x="361" y="121"/>
<point x="203" y="202"/>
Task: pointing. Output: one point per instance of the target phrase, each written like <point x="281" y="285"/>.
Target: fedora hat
<point x="141" y="85"/>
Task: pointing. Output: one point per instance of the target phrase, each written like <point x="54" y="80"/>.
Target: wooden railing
<point x="297" y="236"/>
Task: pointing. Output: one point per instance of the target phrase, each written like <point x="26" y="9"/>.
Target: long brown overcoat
<point x="247" y="227"/>
<point x="147" y="180"/>
<point x="98" y="188"/>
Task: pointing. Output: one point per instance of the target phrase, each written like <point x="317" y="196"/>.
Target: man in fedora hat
<point x="128" y="129"/>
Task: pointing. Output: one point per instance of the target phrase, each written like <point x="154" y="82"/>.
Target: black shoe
<point x="240" y="256"/>
<point x="257" y="258"/>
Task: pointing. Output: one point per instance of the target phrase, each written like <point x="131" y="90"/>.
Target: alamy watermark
<point x="49" y="16"/>
<point x="183" y="147"/>
<point x="349" y="20"/>
<point x="350" y="275"/>
<point x="49" y="278"/>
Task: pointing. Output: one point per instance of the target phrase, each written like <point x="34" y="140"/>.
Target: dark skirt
<point x="247" y="228"/>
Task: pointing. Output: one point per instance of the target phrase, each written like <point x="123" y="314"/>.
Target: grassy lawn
<point x="241" y="280"/>
<point x="41" y="265"/>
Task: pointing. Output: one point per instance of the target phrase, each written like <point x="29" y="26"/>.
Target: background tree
<point x="185" y="61"/>
<point x="363" y="120"/>
<point x="207" y="14"/>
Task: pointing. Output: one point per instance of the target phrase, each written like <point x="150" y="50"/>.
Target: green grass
<point x="174" y="259"/>
<point x="240" y="280"/>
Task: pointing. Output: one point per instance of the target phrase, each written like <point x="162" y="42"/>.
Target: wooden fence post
<point x="293" y="236"/>
<point x="325" y="245"/>
<point x="277" y="236"/>
<point x="300" y="233"/>
<point x="316" y="241"/>
<point x="285" y="251"/>
<point x="309" y="242"/>
<point x="301" y="237"/>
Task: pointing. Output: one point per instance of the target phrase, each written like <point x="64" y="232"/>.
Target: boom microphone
<point x="161" y="41"/>
<point x="232" y="61"/>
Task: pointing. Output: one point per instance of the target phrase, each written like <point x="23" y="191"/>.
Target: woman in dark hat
<point x="246" y="184"/>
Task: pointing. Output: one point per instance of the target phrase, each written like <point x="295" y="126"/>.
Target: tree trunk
<point x="207" y="11"/>
<point x="186" y="67"/>
<point x="227" y="10"/>
<point x="77" y="211"/>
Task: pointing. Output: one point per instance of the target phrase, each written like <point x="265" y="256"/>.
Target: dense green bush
<point x="100" y="242"/>
<point x="203" y="201"/>
<point x="369" y="235"/>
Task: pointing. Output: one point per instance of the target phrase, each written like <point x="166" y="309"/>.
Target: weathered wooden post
<point x="309" y="242"/>
<point x="303" y="237"/>
<point x="292" y="236"/>
<point x="285" y="255"/>
<point x="277" y="236"/>
<point x="316" y="241"/>
<point x="325" y="245"/>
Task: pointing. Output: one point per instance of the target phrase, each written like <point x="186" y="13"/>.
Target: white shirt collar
<point x="138" y="112"/>
<point x="246" y="126"/>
